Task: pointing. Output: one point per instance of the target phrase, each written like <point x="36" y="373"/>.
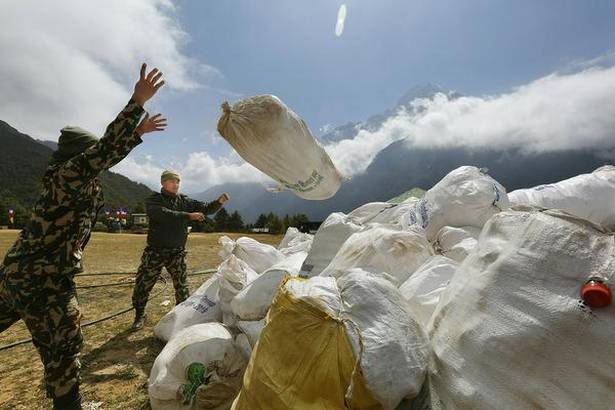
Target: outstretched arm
<point x="120" y="137"/>
<point x="157" y="211"/>
<point x="209" y="208"/>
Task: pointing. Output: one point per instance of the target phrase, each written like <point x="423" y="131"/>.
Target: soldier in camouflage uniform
<point x="169" y="213"/>
<point x="36" y="276"/>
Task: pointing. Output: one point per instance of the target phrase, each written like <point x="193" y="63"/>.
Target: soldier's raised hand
<point x="147" y="85"/>
<point x="150" y="124"/>
<point x="223" y="198"/>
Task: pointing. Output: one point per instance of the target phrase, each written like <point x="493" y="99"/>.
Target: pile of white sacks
<point x="482" y="309"/>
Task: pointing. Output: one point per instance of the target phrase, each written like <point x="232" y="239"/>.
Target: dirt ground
<point x="115" y="361"/>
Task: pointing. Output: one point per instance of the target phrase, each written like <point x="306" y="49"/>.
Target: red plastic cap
<point x="596" y="294"/>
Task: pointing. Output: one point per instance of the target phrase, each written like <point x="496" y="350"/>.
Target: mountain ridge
<point x="400" y="167"/>
<point x="23" y="162"/>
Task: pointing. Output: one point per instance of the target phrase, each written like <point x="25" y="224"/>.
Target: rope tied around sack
<point x="225" y="118"/>
<point x="226" y="107"/>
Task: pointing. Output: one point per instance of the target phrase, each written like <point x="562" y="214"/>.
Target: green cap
<point x="169" y="174"/>
<point x="72" y="141"/>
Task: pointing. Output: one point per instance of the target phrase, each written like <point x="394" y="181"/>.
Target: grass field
<point x="115" y="361"/>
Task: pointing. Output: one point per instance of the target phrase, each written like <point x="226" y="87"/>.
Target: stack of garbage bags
<point x="466" y="298"/>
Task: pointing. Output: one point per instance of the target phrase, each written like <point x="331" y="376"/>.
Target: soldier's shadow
<point x="121" y="357"/>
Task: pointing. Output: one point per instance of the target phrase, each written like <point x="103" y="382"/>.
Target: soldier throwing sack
<point x="169" y="213"/>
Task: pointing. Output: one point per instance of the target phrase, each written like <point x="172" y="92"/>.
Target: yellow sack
<point x="303" y="360"/>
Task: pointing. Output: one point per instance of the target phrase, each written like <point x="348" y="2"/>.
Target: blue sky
<point x="214" y="51"/>
<point x="289" y="48"/>
<point x="476" y="47"/>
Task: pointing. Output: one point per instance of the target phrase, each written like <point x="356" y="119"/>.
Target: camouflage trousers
<point x="48" y="306"/>
<point x="152" y="262"/>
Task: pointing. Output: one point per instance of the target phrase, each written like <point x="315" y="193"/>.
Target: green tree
<point x="299" y="219"/>
<point x="274" y="224"/>
<point x="261" y="221"/>
<point x="208" y="225"/>
<point x="221" y="220"/>
<point x="139" y="209"/>
<point x="286" y="222"/>
<point x="235" y="222"/>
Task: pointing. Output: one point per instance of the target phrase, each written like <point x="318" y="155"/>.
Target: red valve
<point x="596" y="294"/>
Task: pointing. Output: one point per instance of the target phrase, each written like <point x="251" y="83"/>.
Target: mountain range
<point x="23" y="161"/>
<point x="396" y="169"/>
<point x="400" y="167"/>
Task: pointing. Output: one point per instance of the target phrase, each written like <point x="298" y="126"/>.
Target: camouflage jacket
<point x="59" y="227"/>
<point x="168" y="218"/>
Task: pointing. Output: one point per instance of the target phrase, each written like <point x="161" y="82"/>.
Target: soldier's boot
<point x="70" y="401"/>
<point x="140" y="317"/>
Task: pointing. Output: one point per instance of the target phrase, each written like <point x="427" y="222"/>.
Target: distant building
<point x="140" y="219"/>
<point x="139" y="223"/>
<point x="260" y="230"/>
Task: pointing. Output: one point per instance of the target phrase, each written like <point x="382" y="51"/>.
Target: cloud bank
<point x="75" y="62"/>
<point x="556" y="112"/>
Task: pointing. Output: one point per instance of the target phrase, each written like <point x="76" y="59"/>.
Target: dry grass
<point x="115" y="362"/>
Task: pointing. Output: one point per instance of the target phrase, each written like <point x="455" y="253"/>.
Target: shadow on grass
<point x="123" y="351"/>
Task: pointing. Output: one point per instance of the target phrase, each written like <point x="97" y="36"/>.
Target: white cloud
<point x="75" y="62"/>
<point x="326" y="128"/>
<point x="556" y="112"/>
<point x="145" y="171"/>
<point x="353" y="155"/>
<point x="604" y="60"/>
<point x="199" y="172"/>
<point x="341" y="18"/>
